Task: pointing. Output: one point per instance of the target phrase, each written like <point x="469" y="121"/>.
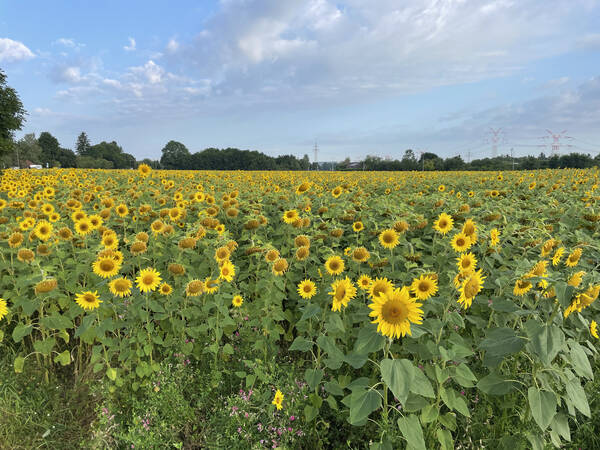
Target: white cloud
<point x="173" y="45"/>
<point x="69" y="43"/>
<point x="11" y="51"/>
<point x="151" y="71"/>
<point x="131" y="46"/>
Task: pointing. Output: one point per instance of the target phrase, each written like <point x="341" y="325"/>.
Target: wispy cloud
<point x="131" y="46"/>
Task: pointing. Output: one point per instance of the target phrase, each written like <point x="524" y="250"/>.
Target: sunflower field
<point x="376" y="310"/>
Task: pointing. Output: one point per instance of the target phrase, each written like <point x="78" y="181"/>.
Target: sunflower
<point x="360" y="254"/>
<point x="393" y="313"/>
<point x="211" y="286"/>
<point x="548" y="246"/>
<point x="460" y="242"/>
<point x="573" y="258"/>
<point x="337" y="191"/>
<point x="25" y="255"/>
<point x="83" y="227"/>
<point x="494" y="237"/>
<point x="45" y="286"/>
<point x="593" y="326"/>
<point x="227" y="271"/>
<point x="106" y="267"/>
<point x="342" y="291"/>
<point x="575" y="279"/>
<point x="278" y="400"/>
<point x="148" y="280"/>
<point x="307" y="289"/>
<point x="424" y="287"/>
<point x="539" y="270"/>
<point x="443" y="224"/>
<point x="88" y="300"/>
<point x="290" y="216"/>
<point x="138" y="248"/>
<point x="280" y="266"/>
<point x="157" y="226"/>
<point x="357" y="226"/>
<point x="388" y="238"/>
<point x="334" y="265"/>
<point x="237" y="301"/>
<point x="110" y="240"/>
<point x="302" y="253"/>
<point x="194" y="288"/>
<point x="165" y="289"/>
<point x="558" y="254"/>
<point x="144" y="170"/>
<point x="522" y="287"/>
<point x="176" y="269"/>
<point x="4" y="309"/>
<point x="466" y="262"/>
<point x="471" y="286"/>
<point x="222" y="254"/>
<point x="43" y="230"/>
<point x="15" y="240"/>
<point x="469" y="229"/>
<point x="65" y="233"/>
<point x="120" y="287"/>
<point x="122" y="210"/>
<point x="302" y="241"/>
<point x="272" y="255"/>
<point x="364" y="282"/>
<point x="380" y="286"/>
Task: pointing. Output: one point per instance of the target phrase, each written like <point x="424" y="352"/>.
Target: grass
<point x="39" y="415"/>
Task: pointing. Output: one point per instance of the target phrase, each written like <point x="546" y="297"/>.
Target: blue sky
<point x="359" y="77"/>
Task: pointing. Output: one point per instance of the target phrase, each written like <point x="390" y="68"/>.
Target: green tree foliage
<point x="175" y="155"/>
<point x="50" y="149"/>
<point x="24" y="150"/>
<point x="111" y="151"/>
<point x="83" y="144"/>
<point x="12" y="114"/>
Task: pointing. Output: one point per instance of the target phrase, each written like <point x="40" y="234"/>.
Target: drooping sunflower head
<point x="25" y="255"/>
<point x="148" y="280"/>
<point x="360" y="254"/>
<point x="575" y="279"/>
<point x="334" y="265"/>
<point x="222" y="253"/>
<point x="176" y="269"/>
<point x="307" y="289"/>
<point x="195" y="288"/>
<point x="424" y="287"/>
<point x="138" y="248"/>
<point x="388" y="238"/>
<point x="522" y="286"/>
<point x="302" y="253"/>
<point x="280" y="266"/>
<point x="469" y="229"/>
<point x="302" y="241"/>
<point x="211" y="286"/>
<point x="394" y="312"/>
<point x="272" y="255"/>
<point x="15" y="240"/>
<point x="46" y="286"/>
<point x="342" y="291"/>
<point x="539" y="270"/>
<point x="187" y="243"/>
<point x="573" y="258"/>
<point x="65" y="233"/>
<point x="43" y="250"/>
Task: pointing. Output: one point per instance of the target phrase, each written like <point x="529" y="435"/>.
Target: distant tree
<point x="111" y="151"/>
<point x="66" y="158"/>
<point x="50" y="149"/>
<point x="305" y="162"/>
<point x="87" y="162"/>
<point x="175" y="155"/>
<point x="83" y="144"/>
<point x="12" y="115"/>
<point x="455" y="163"/>
<point x="25" y="149"/>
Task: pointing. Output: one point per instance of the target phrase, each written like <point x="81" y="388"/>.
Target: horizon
<point x="276" y="77"/>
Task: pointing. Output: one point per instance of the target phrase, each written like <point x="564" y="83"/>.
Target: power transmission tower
<point x="556" y="144"/>
<point x="316" y="150"/>
<point x="495" y="136"/>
